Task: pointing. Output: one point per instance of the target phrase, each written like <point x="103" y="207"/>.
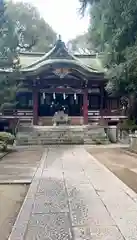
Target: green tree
<point x="32" y="26"/>
<point x="81" y="44"/>
<point x="113" y="30"/>
<point x="8" y="55"/>
<point x="21" y="29"/>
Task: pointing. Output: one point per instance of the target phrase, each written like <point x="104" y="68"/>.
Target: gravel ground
<point x="16" y="167"/>
<point x="20" y="165"/>
<point x="11" y="199"/>
<point x="123" y="165"/>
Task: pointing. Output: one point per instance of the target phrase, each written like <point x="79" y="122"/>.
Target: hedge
<point x="5" y="140"/>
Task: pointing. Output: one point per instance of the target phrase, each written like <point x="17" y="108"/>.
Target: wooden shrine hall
<point x="60" y="81"/>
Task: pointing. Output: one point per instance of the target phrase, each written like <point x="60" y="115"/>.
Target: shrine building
<point x="59" y="80"/>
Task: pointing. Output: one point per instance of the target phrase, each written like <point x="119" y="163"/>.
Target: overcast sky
<point x="63" y="16"/>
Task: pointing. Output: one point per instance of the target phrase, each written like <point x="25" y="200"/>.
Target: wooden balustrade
<point x="17" y="113"/>
<point x="105" y="113"/>
<point x="111" y="112"/>
<point x="93" y="115"/>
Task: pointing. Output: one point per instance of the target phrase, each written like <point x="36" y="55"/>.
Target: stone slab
<point x="97" y="233"/>
<point x="80" y="189"/>
<point x="89" y="211"/>
<point x="51" y="197"/>
<point x="53" y="226"/>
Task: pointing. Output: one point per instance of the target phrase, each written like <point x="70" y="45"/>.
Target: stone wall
<point x="45" y="121"/>
<point x="48" y="121"/>
<point x="76" y="120"/>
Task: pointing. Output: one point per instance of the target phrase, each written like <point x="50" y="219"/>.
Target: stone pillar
<point x="85" y="106"/>
<point x="35" y="107"/>
<point x="112" y="134"/>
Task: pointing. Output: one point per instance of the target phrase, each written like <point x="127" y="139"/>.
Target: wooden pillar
<point x="35" y="107"/>
<point x="85" y="106"/>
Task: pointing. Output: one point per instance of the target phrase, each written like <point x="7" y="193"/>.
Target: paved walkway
<point x="74" y="197"/>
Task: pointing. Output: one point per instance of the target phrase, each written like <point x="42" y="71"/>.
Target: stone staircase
<point x="50" y="135"/>
<point x="25" y="125"/>
<point x="95" y="134"/>
<point x="32" y="135"/>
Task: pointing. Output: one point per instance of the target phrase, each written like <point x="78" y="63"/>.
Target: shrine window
<point x="48" y="100"/>
<point x="24" y="100"/>
<point x="94" y="102"/>
<point x="94" y="90"/>
<point x="112" y="103"/>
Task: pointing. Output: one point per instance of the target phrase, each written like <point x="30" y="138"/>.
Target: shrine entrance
<point x="59" y="81"/>
<point x="49" y="103"/>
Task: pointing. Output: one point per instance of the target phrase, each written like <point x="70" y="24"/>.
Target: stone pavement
<point x="75" y="197"/>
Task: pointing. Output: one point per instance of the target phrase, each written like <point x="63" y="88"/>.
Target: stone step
<point x="53" y="139"/>
<point x="60" y="135"/>
<point x="21" y="143"/>
<point x="50" y="137"/>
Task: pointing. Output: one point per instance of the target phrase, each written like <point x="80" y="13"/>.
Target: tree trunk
<point x="132" y="107"/>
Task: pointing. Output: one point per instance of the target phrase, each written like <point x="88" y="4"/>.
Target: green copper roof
<point x="94" y="62"/>
<point x="58" y="57"/>
<point x="58" y="62"/>
<point x="59" y="53"/>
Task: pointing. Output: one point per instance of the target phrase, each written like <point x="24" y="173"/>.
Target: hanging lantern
<point x="64" y="96"/>
<point x="75" y="96"/>
<point x="44" y="96"/>
<point x="54" y="96"/>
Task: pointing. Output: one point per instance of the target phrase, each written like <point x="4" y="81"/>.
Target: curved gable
<point x="59" y="55"/>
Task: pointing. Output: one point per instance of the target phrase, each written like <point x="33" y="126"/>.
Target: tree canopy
<point x="113" y="30"/>
<point x="33" y="28"/>
<point x="21" y="29"/>
<point x="81" y="44"/>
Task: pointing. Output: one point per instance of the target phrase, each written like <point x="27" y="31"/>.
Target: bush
<point x="5" y="140"/>
<point x="129" y="125"/>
